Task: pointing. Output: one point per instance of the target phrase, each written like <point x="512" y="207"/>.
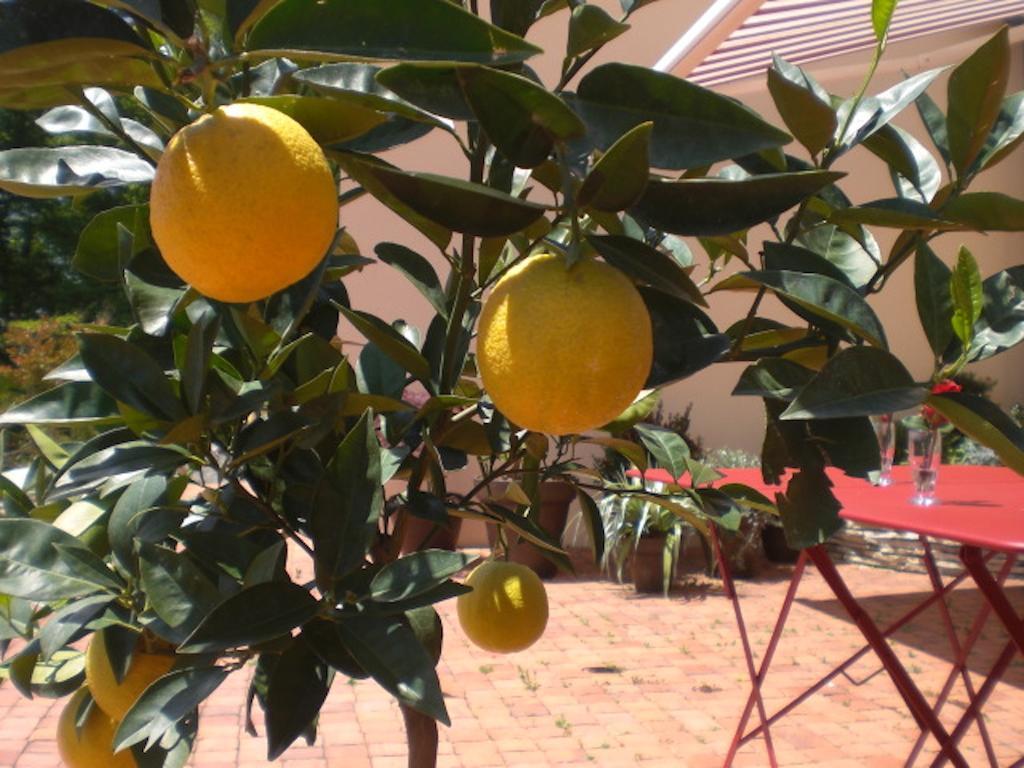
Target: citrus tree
<point x="229" y="511"/>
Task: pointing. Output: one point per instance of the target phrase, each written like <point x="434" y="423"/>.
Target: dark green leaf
<point x="130" y="375"/>
<point x="667" y="447"/>
<point x="1007" y="133"/>
<point x="796" y="259"/>
<point x="693" y="127"/>
<point x="418" y="270"/>
<point x="69" y="622"/>
<point x="935" y="123"/>
<point x="77" y="402"/>
<point x="198" y="350"/>
<point x="915" y="172"/>
<point x="322" y="636"/>
<point x="775" y="378"/>
<point x="347" y="505"/>
<point x="821" y="296"/>
<point x="803" y="104"/>
<point x="517" y="16"/>
<point x="522" y="119"/>
<point x="647" y="264"/>
<point x="1002" y="323"/>
<point x="166" y="702"/>
<point x="411" y="30"/>
<point x="984" y="422"/>
<point x="857" y="255"/>
<point x="881" y="16"/>
<point x="128" y="459"/>
<point x="619" y="177"/>
<point x="98" y="254"/>
<point x="896" y="212"/>
<point x="416" y="573"/>
<point x="723" y="206"/>
<point x="297" y="689"/>
<point x="431" y="87"/>
<point x="590" y="26"/>
<point x="454" y="204"/>
<point x="389" y="650"/>
<point x="60" y="171"/>
<point x="127" y="517"/>
<point x="934" y="304"/>
<point x="255" y="615"/>
<point x="976" y="90"/>
<point x="858" y="381"/>
<point x="151" y="304"/>
<point x="390" y="341"/>
<point x="242" y="14"/>
<point x="41" y="562"/>
<point x="685" y="340"/>
<point x="986" y="211"/>
<point x="178" y="590"/>
<point x="592" y="520"/>
<point x="809" y="509"/>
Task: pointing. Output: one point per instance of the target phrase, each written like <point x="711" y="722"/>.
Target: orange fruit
<point x="507" y="610"/>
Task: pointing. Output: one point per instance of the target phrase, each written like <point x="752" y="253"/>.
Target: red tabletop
<point x="980" y="506"/>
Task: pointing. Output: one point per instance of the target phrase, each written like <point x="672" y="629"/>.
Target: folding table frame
<point x="975" y="561"/>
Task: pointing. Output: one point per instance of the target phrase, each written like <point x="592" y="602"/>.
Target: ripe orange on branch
<point x="564" y="349"/>
<point x="113" y="697"/>
<point x="507" y="610"/>
<point x="244" y="203"/>
<point x="93" y="745"/>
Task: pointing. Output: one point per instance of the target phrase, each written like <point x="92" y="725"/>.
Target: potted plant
<point x="647" y="536"/>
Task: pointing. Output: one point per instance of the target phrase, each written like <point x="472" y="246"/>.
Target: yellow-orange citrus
<point x="507" y="610"/>
<point x="244" y="203"/>
<point x="92" y="747"/>
<point x="117" y="698"/>
<point x="563" y="350"/>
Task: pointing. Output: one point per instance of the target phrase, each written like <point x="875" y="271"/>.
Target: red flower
<point x="929" y="414"/>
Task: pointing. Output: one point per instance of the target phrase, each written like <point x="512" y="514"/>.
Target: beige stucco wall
<point x="718" y="418"/>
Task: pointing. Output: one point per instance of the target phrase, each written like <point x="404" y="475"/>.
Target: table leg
<point x="913" y="697"/>
<point x="755" y="680"/>
<point x="960" y="651"/>
<point x="994" y="594"/>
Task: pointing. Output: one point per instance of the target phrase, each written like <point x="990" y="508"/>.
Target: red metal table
<point x="982" y="509"/>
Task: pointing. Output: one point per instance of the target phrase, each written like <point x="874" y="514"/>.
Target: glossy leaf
<point x="151" y="304"/>
<point x="647" y="264"/>
<point x="347" y="504"/>
<point x="176" y="588"/>
<point x="822" y="296"/>
<point x="240" y="15"/>
<point x="685" y="339"/>
<point x="517" y="16"/>
<point x="984" y="422"/>
<point x="433" y="87"/>
<point x="1002" y="323"/>
<point x="43" y="172"/>
<point x="198" y="352"/>
<point x="915" y="172"/>
<point x="451" y="203"/>
<point x="41" y="562"/>
<point x="329" y="121"/>
<point x="668" y="448"/>
<point x="935" y="123"/>
<point x="71" y="119"/>
<point x="522" y="119"/>
<point x="390" y="652"/>
<point x="934" y="304"/>
<point x="416" y="573"/>
<point x="976" y="90"/>
<point x="257" y="614"/>
<point x="418" y="30"/>
<point x="723" y="206"/>
<point x="391" y="342"/>
<point x="168" y="16"/>
<point x="590" y="26"/>
<point x="857" y="256"/>
<point x="796" y="259"/>
<point x="619" y="177"/>
<point x="693" y="127"/>
<point x="803" y="104"/>
<point x="858" y="381"/>
<point x="874" y="112"/>
<point x="629" y="450"/>
<point x="68" y="623"/>
<point x="128" y="515"/>
<point x="165" y="703"/>
<point x="130" y="375"/>
<point x="592" y="520"/>
<point x="417" y="270"/>
<point x="986" y="211"/>
<point x="76" y="402"/>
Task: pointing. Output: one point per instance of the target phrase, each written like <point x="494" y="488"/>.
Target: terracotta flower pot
<point x="555" y="498"/>
<point x="647" y="561"/>
<point x="419" y="533"/>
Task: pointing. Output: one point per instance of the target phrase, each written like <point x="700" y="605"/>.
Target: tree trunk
<point x="421" y="736"/>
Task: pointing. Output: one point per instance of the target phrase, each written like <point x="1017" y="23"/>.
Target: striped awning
<point x="806" y="30"/>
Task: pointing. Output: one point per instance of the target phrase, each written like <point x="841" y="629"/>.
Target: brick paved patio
<point x="623" y="680"/>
